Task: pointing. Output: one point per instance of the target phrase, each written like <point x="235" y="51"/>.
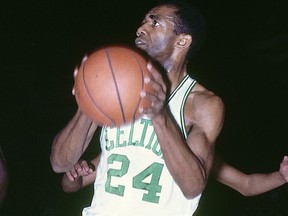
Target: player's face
<point x="156" y="35"/>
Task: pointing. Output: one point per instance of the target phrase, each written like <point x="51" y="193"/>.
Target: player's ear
<point x="184" y="41"/>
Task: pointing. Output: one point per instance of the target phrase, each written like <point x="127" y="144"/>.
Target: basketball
<point x="108" y="85"/>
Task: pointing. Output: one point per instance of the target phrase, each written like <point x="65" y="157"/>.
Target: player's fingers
<point x="70" y="176"/>
<point x="78" y="167"/>
<point x="158" y="97"/>
<point x="91" y="167"/>
<point x="84" y="58"/>
<point x="75" y="72"/>
<point x="159" y="92"/>
<point x="84" y="165"/>
<point x="156" y="81"/>
<point x="157" y="104"/>
<point x="88" y="167"/>
<point x="74" y="76"/>
<point x="156" y="75"/>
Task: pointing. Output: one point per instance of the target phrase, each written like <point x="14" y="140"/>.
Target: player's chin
<point x="142" y="47"/>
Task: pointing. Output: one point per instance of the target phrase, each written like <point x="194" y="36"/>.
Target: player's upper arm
<point x="207" y="121"/>
<point x="209" y="116"/>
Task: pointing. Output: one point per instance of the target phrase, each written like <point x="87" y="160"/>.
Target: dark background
<point x="245" y="61"/>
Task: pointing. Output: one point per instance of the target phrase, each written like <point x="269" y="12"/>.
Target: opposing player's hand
<point x="284" y="168"/>
<point x="158" y="98"/>
<point x="82" y="168"/>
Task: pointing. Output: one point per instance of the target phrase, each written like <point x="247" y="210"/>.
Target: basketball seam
<point x="90" y="96"/>
<point x="116" y="85"/>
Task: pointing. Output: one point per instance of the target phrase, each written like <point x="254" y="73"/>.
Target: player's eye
<point x="156" y="23"/>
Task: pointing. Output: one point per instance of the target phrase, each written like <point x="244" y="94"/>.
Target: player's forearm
<point x="186" y="169"/>
<point x="261" y="183"/>
<point x="71" y="142"/>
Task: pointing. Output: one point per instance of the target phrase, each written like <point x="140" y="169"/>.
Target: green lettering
<point x="118" y="134"/>
<point x="155" y="147"/>
<point x="146" y="122"/>
<point x="109" y="145"/>
<point x="148" y="146"/>
<point x="130" y="141"/>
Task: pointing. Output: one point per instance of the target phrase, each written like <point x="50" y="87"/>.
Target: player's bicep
<point x="207" y="125"/>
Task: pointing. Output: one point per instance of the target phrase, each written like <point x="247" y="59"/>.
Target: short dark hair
<point x="189" y="21"/>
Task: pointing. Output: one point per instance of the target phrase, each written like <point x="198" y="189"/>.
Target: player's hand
<point x="76" y="72"/>
<point x="158" y="98"/>
<point x="284" y="168"/>
<point x="82" y="168"/>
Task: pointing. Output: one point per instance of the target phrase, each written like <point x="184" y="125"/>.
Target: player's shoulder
<point x="205" y="109"/>
<point x="201" y="98"/>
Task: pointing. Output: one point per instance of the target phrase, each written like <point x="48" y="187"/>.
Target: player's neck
<point x="176" y="75"/>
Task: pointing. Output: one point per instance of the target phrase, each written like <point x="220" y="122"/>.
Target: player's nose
<point x="141" y="31"/>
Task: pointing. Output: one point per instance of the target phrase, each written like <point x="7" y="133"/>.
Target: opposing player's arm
<point x="190" y="161"/>
<point x="253" y="184"/>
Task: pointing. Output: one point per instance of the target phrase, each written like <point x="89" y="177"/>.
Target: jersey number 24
<point x="152" y="188"/>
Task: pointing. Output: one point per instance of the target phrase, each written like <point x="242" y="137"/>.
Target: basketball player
<point x="159" y="164"/>
<point x="84" y="173"/>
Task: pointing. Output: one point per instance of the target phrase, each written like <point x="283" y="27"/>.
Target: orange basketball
<point x="109" y="83"/>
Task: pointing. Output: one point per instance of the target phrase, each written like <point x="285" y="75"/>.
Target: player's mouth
<point x="139" y="42"/>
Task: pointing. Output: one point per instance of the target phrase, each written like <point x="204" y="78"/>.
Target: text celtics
<point x="139" y="134"/>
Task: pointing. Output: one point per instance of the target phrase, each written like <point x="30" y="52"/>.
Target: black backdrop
<point x="245" y="61"/>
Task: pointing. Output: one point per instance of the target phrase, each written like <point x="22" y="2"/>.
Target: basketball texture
<point x="109" y="83"/>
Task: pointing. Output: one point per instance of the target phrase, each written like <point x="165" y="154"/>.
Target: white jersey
<point x="132" y="177"/>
